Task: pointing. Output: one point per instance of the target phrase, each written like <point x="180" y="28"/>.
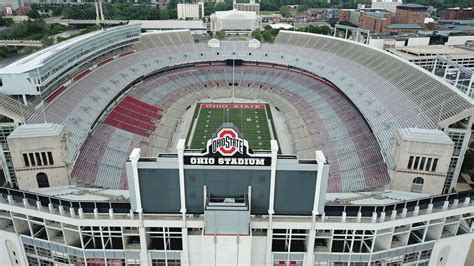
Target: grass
<point x="252" y="124"/>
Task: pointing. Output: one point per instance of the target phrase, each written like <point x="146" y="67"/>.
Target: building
<point x="411" y="14"/>
<point x="457" y="13"/>
<point x="375" y="21"/>
<point x="68" y="228"/>
<point x="252" y="6"/>
<point x="235" y="21"/>
<point x="197" y="27"/>
<point x="423" y="157"/>
<point x="38" y="153"/>
<point x="43" y="72"/>
<point x="389" y="5"/>
<point x="330" y="14"/>
<point x="177" y="159"/>
<point x="345" y="14"/>
<point x="193" y="11"/>
<point x="403" y="28"/>
<point x="425" y="55"/>
<point x="355" y="17"/>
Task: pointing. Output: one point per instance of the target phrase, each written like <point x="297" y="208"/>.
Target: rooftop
<point x="235" y="14"/>
<point x="458" y="21"/>
<point x="377" y="14"/>
<point x="36" y="130"/>
<point x="372" y="198"/>
<point x="39" y="58"/>
<point x="84" y="194"/>
<point x="169" y="24"/>
<point x="404" y="26"/>
<point x="409" y="5"/>
<point x="425" y="135"/>
<point x="414" y="52"/>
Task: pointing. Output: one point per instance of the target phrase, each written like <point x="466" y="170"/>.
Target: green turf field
<point x="252" y="124"/>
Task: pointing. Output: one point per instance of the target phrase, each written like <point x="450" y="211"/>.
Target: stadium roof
<point x="170" y="24"/>
<point x="36" y="130"/>
<point x="83" y="193"/>
<point x="425" y="135"/>
<point x="37" y="59"/>
<point x="410" y="5"/>
<point x="281" y="25"/>
<point x="236" y="14"/>
<point x="404" y="26"/>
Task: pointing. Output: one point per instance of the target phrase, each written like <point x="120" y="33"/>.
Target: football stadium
<point x="253" y="121"/>
<point x="131" y="148"/>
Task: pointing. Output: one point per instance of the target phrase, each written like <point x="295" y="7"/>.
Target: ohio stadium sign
<point x="227" y="148"/>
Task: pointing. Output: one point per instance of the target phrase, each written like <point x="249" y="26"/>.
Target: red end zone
<point x="232" y="106"/>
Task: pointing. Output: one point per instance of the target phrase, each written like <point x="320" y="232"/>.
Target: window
<point x="410" y="162"/>
<point x="417" y="185"/>
<point x="422" y="163"/>
<point x="428" y="164"/>
<point x="435" y="163"/>
<point x="43" y="156"/>
<point x="32" y="159"/>
<point x="38" y="158"/>
<point x="50" y="158"/>
<point x="417" y="160"/>
<point x="42" y="180"/>
<point x="25" y="160"/>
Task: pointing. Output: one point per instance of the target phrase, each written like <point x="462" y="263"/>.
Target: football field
<point x="252" y="121"/>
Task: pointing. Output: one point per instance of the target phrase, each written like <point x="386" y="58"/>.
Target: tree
<point x="5" y="21"/>
<point x="47" y="41"/>
<point x="220" y="35"/>
<point x="267" y="36"/>
<point x="209" y="8"/>
<point x="164" y="14"/>
<point x="257" y="34"/>
<point x="34" y="14"/>
<point x="285" y="11"/>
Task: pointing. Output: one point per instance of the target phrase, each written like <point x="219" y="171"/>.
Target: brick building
<point x="457" y="13"/>
<point x="375" y="21"/>
<point x="411" y="14"/>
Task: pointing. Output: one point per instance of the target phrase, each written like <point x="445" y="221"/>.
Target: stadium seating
<point x="378" y="94"/>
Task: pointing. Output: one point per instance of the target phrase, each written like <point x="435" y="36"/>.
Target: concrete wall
<point x="58" y="173"/>
<point x="11" y="250"/>
<point x="402" y="176"/>
<point x="451" y="251"/>
<point x="418" y="41"/>
<point x="458" y="40"/>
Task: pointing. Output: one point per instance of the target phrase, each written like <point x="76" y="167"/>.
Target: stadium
<point x="314" y="171"/>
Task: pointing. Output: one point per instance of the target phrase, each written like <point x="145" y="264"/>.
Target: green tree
<point x="257" y="34"/>
<point x="220" y="35"/>
<point x="34" y="14"/>
<point x="164" y="14"/>
<point x="47" y="41"/>
<point x="285" y="11"/>
<point x="267" y="36"/>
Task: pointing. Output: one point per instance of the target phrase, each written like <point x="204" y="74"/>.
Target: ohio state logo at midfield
<point x="227" y="142"/>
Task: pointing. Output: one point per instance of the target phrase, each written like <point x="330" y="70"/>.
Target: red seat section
<point x="134" y="116"/>
<point x="82" y="74"/>
<point x="55" y="93"/>
<point x="105" y="61"/>
<point x="126" y="53"/>
<point x="142" y="104"/>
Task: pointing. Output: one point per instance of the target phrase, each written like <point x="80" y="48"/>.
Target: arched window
<point x="417" y="185"/>
<point x="42" y="180"/>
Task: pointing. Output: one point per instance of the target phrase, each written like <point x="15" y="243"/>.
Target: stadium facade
<point x="362" y="144"/>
